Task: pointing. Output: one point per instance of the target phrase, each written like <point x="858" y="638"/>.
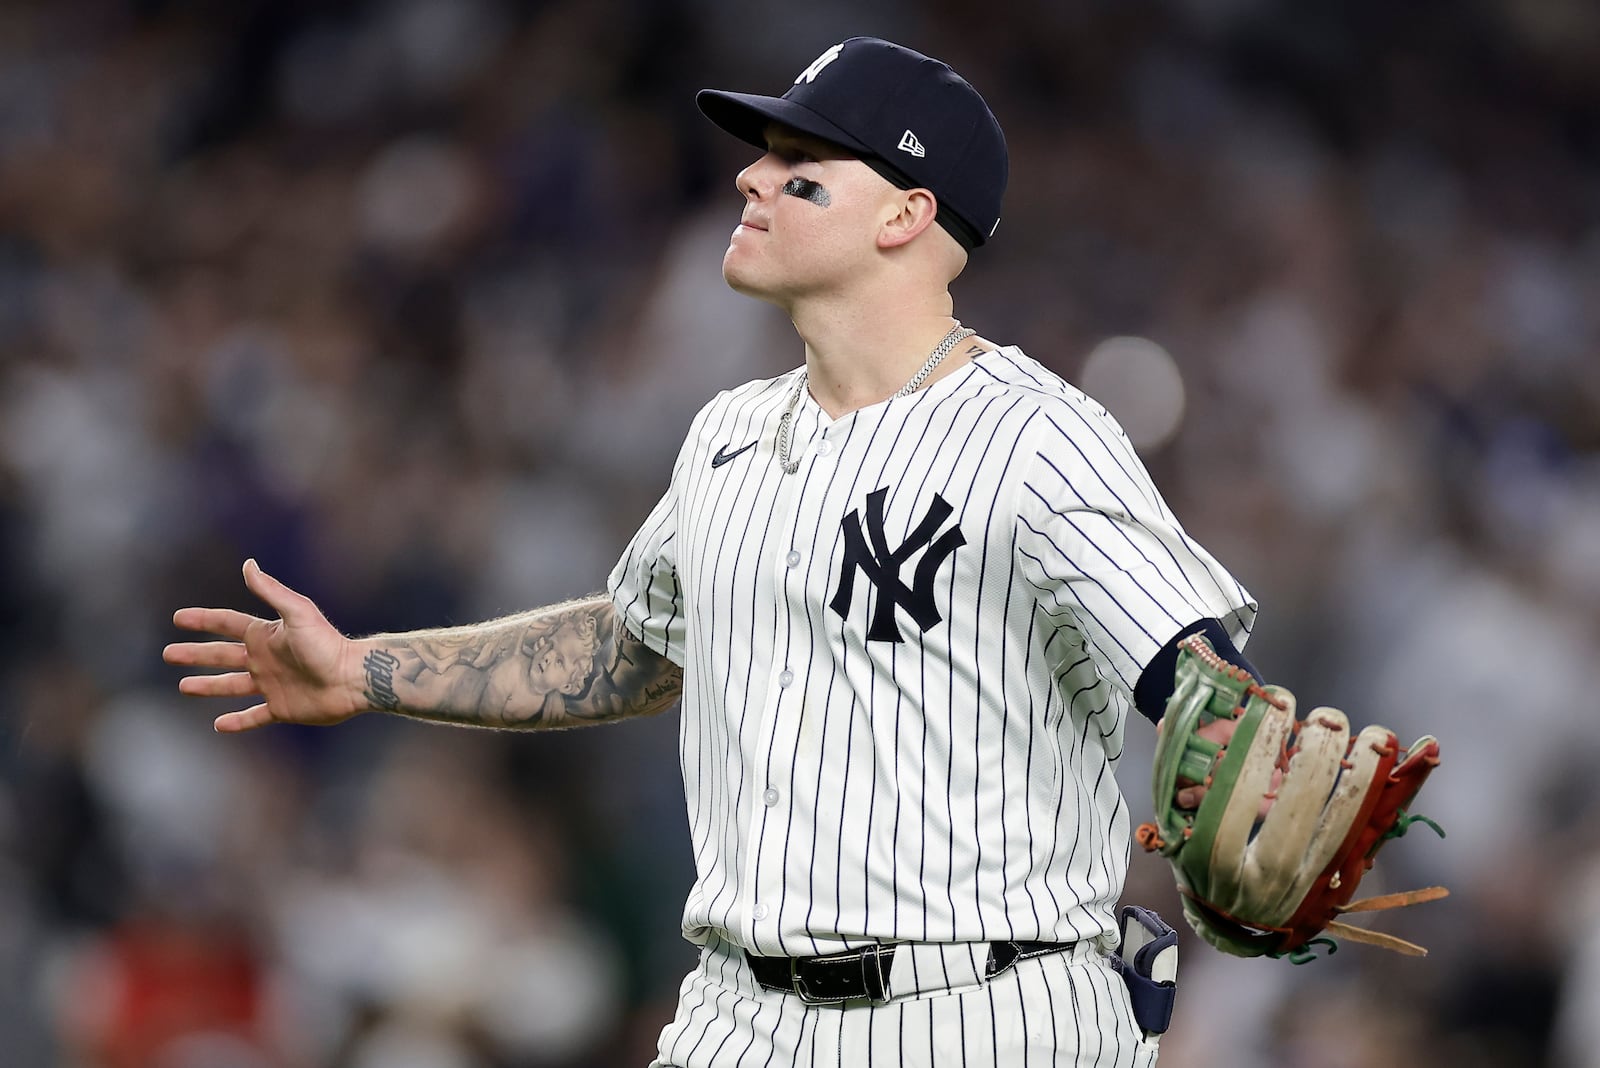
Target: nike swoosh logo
<point x="723" y="455"/>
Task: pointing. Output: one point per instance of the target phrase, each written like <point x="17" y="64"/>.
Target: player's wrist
<point x="366" y="676"/>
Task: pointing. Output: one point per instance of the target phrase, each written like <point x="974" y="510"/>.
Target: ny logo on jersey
<point x="809" y="75"/>
<point x="882" y="566"/>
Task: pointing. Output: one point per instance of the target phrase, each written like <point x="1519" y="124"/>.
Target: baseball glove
<point x="1292" y="816"/>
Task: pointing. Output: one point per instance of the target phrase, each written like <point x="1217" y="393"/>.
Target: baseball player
<point x="908" y="593"/>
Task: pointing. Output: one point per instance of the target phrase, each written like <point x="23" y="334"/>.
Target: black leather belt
<point x="864" y="973"/>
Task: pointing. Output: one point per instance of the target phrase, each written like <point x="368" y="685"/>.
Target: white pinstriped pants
<point x="1064" y="1009"/>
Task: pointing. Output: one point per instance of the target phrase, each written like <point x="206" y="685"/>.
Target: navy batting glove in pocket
<point x="1147" y="960"/>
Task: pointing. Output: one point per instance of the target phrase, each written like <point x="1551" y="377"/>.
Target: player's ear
<point x="908" y="213"/>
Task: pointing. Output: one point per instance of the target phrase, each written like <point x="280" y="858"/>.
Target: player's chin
<point x="742" y="277"/>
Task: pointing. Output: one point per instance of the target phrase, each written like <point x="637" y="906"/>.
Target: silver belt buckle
<point x="799" y="983"/>
<point x="871" y="957"/>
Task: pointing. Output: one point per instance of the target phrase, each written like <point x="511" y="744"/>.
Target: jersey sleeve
<point x="644" y="585"/>
<point x="1104" y="552"/>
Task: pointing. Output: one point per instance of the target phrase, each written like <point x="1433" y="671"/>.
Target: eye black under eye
<point x="806" y="189"/>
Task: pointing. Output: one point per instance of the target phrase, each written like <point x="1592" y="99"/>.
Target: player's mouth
<point x="751" y="224"/>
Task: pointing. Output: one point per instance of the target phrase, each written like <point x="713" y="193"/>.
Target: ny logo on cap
<point x="909" y="143"/>
<point x="809" y="75"/>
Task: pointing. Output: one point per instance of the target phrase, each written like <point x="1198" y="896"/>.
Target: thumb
<point x="289" y="605"/>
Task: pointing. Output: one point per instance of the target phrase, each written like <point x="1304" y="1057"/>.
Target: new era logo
<point x="909" y="143"/>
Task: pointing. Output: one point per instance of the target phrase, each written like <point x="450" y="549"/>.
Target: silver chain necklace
<point x="786" y="420"/>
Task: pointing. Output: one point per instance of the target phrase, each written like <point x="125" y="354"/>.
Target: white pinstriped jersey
<point x="908" y="666"/>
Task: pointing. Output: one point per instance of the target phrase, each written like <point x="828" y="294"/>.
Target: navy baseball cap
<point x="911" y="118"/>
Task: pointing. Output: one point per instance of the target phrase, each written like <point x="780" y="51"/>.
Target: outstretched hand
<point x="302" y="668"/>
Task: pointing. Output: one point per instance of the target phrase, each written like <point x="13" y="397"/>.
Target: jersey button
<point x="826" y="447"/>
<point x="759" y="912"/>
<point x="770" y="796"/>
<point x="793" y="559"/>
<point x="785" y="678"/>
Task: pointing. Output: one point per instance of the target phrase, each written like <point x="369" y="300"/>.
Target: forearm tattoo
<point x="564" y="666"/>
<point x="379" y="667"/>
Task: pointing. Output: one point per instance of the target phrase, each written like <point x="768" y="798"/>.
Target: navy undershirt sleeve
<point x="1156" y="681"/>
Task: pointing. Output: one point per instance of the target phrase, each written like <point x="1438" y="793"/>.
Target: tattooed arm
<point x="562" y="666"/>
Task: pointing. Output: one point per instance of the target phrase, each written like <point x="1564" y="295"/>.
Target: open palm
<point x="302" y="668"/>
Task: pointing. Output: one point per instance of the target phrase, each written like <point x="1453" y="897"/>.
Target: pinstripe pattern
<point x="958" y="785"/>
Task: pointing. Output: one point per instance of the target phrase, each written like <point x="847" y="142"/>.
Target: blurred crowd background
<point x="412" y="301"/>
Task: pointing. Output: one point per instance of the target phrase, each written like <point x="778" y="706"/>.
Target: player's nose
<point x="757" y="180"/>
